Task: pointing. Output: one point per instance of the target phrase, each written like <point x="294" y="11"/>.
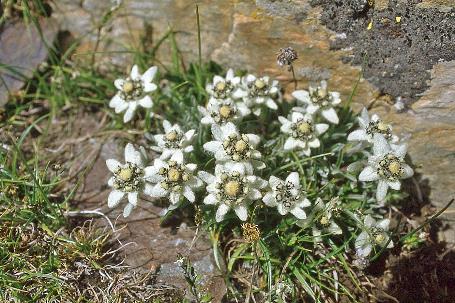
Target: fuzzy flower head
<point x="224" y="88"/>
<point x="303" y="132"/>
<point x="173" y="179"/>
<point x="370" y="127"/>
<point x="286" y="56"/>
<point x="287" y="196"/>
<point x="250" y="232"/>
<point x="387" y="166"/>
<point x="231" y="188"/>
<point x="128" y="179"/>
<point x="232" y="146"/>
<point x="133" y="92"/>
<point x="374" y="234"/>
<point x="174" y="141"/>
<point x="260" y="91"/>
<point x="319" y="99"/>
<point x="223" y="111"/>
<point x="322" y="219"/>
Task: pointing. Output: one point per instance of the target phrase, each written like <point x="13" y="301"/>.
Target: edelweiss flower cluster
<point x="386" y="165"/>
<point x="235" y="181"/>
<point x="232" y="98"/>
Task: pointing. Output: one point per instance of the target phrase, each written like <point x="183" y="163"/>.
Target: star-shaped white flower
<point x="321" y="220"/>
<point x="260" y="91"/>
<point x="231" y="188"/>
<point x="174" y="142"/>
<point x="374" y="233"/>
<point x="231" y="146"/>
<point x="224" y="88"/>
<point x="303" y="132"/>
<point x="387" y="166"/>
<point x="173" y="179"/>
<point x="128" y="179"/>
<point x="369" y="127"/>
<point x="319" y="99"/>
<point x="133" y="92"/>
<point x="223" y="111"/>
<point x="287" y="196"/>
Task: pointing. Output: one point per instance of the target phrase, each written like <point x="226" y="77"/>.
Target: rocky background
<point x="402" y="50"/>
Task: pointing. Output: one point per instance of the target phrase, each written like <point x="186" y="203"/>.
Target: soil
<point x="404" y="41"/>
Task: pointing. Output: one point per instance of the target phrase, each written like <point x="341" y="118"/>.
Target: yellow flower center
<point x="173" y="175"/>
<point x="125" y="174"/>
<point x="379" y="238"/>
<point x="128" y="87"/>
<point x="259" y="83"/>
<point x="324" y="220"/>
<point x="171" y="136"/>
<point x="304" y="128"/>
<point x="240" y="146"/>
<point x="382" y="126"/>
<point x="220" y="86"/>
<point x="395" y="167"/>
<point x="322" y="93"/>
<point x="225" y="111"/>
<point x="232" y="188"/>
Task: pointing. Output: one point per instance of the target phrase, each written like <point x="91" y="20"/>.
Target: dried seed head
<point x="251" y="232"/>
<point x="286" y="56"/>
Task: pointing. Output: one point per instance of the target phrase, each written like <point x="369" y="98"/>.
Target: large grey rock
<point x="22" y="49"/>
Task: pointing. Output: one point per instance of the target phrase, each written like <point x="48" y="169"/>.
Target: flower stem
<point x="199" y="36"/>
<point x="291" y="68"/>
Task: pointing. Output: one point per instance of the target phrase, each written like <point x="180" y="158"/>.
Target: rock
<point x="22" y="49"/>
<point x="172" y="274"/>
<point x="441" y="5"/>
<point x="381" y="4"/>
<point x="359" y="6"/>
<point x="396" y="46"/>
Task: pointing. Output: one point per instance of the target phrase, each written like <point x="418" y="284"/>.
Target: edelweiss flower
<point x="223" y="111"/>
<point x="304" y="132"/>
<point x="287" y="196"/>
<point x="260" y="91"/>
<point x="173" y="179"/>
<point x="370" y="127"/>
<point x="224" y="88"/>
<point x="231" y="188"/>
<point x="322" y="219"/>
<point x="128" y="179"/>
<point x="319" y="99"/>
<point x="174" y="142"/>
<point x="231" y="146"/>
<point x="133" y="91"/>
<point x="386" y="165"/>
<point x="375" y="233"/>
